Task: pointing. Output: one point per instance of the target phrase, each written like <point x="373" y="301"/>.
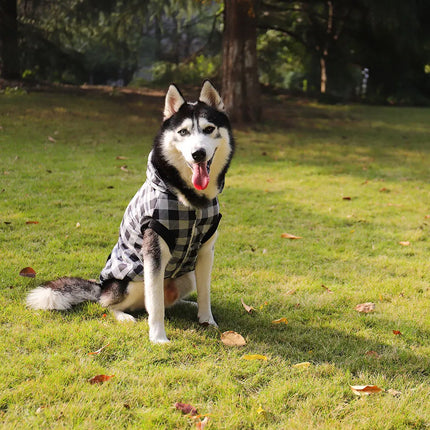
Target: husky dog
<point x="166" y="241"/>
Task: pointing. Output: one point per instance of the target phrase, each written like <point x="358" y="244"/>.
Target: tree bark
<point x="240" y="86"/>
<point x="9" y="39"/>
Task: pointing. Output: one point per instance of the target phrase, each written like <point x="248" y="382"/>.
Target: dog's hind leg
<point x="204" y="264"/>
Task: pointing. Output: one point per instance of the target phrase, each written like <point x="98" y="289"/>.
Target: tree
<point x="9" y="65"/>
<point x="240" y="86"/>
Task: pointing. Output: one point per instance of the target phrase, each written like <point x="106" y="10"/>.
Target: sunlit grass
<point x="59" y="167"/>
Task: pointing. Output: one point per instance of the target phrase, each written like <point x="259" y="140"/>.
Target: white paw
<point x="123" y="317"/>
<point x="205" y="321"/>
<point x="159" y="341"/>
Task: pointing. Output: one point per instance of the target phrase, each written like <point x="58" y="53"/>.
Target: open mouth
<point x="200" y="176"/>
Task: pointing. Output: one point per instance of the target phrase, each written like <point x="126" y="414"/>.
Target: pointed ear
<point x="174" y="101"/>
<point x="211" y="97"/>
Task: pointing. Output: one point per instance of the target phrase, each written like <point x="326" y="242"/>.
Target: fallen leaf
<point x="32" y="222"/>
<point x="121" y="157"/>
<point x="326" y="288"/>
<point x="51" y="139"/>
<point x="200" y="425"/>
<point x="291" y="292"/>
<point x="397" y="332"/>
<point x="255" y="357"/>
<point x="365" y="307"/>
<point x="373" y="354"/>
<point x="99" y="379"/>
<point x="124" y="168"/>
<point x="346" y="198"/>
<point x="303" y="365"/>
<point x="28" y="272"/>
<point x="40" y="409"/>
<point x="248" y="308"/>
<point x="282" y="320"/>
<point x="290" y="236"/>
<point x="261" y="411"/>
<point x="384" y="190"/>
<point x="427" y="217"/>
<point x="394" y="393"/>
<point x="99" y="350"/>
<point x="231" y="338"/>
<point x="405" y="243"/>
<point x="365" y="390"/>
<point x="185" y="408"/>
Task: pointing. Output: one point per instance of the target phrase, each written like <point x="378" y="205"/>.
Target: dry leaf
<point x="326" y="288"/>
<point x="185" y="408"/>
<point x="32" y="222"/>
<point x="303" y="365"/>
<point x="365" y="307"/>
<point x="373" y="354"/>
<point x="394" y="393"/>
<point x="255" y="357"/>
<point x="384" y="190"/>
<point x="99" y="350"/>
<point x="405" y="243"/>
<point x="231" y="338"/>
<point x="124" y="168"/>
<point x="200" y="425"/>
<point x="261" y="411"/>
<point x="346" y="198"/>
<point x="248" y="308"/>
<point x="282" y="320"/>
<point x="291" y="292"/>
<point x="28" y="272"/>
<point x="290" y="236"/>
<point x="51" y="139"/>
<point x="120" y="157"/>
<point x="427" y="217"/>
<point x="365" y="390"/>
<point x="397" y="332"/>
<point x="99" y="379"/>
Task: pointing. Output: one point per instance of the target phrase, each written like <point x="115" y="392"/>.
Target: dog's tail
<point x="63" y="293"/>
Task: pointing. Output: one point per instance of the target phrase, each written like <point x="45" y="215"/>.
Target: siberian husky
<point x="166" y="241"/>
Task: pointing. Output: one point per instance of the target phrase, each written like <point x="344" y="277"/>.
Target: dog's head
<point x="196" y="140"/>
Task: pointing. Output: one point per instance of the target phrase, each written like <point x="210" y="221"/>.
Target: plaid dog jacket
<point x="184" y="229"/>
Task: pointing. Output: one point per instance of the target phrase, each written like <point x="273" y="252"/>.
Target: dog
<point x="165" y="248"/>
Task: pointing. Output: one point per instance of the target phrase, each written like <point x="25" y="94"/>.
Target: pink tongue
<point x="200" y="176"/>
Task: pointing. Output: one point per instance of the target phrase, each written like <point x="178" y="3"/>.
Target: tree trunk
<point x="9" y="39"/>
<point x="240" y="86"/>
<point x="323" y="65"/>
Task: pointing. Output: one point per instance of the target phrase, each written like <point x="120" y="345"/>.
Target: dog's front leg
<point x="204" y="264"/>
<point x="156" y="255"/>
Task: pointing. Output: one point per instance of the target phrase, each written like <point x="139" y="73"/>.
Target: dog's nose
<point x="199" y="155"/>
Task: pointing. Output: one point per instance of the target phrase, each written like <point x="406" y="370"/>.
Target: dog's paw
<point x="207" y="322"/>
<point x="123" y="317"/>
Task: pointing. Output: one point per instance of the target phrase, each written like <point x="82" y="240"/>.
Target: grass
<point x="59" y="167"/>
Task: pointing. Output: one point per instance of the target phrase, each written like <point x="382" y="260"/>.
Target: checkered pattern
<point x="184" y="229"/>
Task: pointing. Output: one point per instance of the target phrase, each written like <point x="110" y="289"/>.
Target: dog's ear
<point x="174" y="101"/>
<point x="211" y="97"/>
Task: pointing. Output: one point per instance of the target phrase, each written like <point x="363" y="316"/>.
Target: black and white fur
<point x="190" y="133"/>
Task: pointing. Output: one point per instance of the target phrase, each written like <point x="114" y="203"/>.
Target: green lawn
<point x="351" y="181"/>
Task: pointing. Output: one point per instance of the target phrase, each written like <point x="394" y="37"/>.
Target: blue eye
<point x="184" y="132"/>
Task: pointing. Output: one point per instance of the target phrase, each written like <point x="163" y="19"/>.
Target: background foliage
<point x="118" y="42"/>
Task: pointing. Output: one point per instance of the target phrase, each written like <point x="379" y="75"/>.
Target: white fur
<point x="48" y="299"/>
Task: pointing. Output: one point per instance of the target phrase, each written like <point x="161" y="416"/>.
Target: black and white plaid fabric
<point x="184" y="229"/>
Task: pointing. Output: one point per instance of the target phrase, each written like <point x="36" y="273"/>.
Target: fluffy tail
<point x="63" y="293"/>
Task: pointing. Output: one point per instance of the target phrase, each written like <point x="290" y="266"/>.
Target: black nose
<point x="199" y="155"/>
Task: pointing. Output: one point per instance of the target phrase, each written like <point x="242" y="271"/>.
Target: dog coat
<point x="184" y="229"/>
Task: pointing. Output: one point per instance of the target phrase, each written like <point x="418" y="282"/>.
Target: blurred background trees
<point x="374" y="50"/>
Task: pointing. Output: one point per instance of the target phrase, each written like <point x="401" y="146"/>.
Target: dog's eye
<point x="208" y="130"/>
<point x="184" y="132"/>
